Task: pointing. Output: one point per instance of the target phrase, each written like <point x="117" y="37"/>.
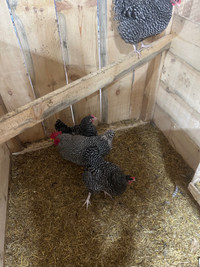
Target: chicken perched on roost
<point x="74" y="147"/>
<point x="106" y="177"/>
<point x="86" y="127"/>
<point x="140" y="19"/>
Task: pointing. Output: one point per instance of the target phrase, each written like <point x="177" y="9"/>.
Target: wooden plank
<point x="118" y="99"/>
<point x="151" y="87"/>
<point x="195" y="192"/>
<point x="179" y="48"/>
<point x="189" y="9"/>
<point x="184" y="115"/>
<point x="4" y="178"/>
<point x="118" y="94"/>
<point x="14" y="82"/>
<point x="186" y="30"/>
<point x="177" y="137"/>
<point x="188" y="39"/>
<point x="78" y="24"/>
<point x="27" y="116"/>
<point x="196" y="177"/>
<point x="136" y="99"/>
<point x="13" y="144"/>
<point x="37" y="28"/>
<point x="182" y="80"/>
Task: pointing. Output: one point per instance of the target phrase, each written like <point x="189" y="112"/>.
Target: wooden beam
<point x="195" y="192"/>
<point x="192" y="188"/>
<point x="4" y="177"/>
<point x="196" y="177"/>
<point x="36" y="111"/>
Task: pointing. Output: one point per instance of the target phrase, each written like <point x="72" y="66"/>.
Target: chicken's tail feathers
<point x="61" y="126"/>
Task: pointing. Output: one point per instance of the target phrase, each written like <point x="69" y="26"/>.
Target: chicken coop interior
<point x="64" y="59"/>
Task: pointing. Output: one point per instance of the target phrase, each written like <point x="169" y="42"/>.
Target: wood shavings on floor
<point x="48" y="226"/>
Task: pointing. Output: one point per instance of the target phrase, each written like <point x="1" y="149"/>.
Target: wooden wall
<point x="177" y="111"/>
<point x="48" y="44"/>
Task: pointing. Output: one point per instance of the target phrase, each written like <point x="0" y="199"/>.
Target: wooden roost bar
<point x="65" y="59"/>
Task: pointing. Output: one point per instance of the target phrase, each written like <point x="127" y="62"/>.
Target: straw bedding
<point x="147" y="226"/>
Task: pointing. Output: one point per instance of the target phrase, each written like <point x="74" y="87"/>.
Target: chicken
<point x="85" y="127"/>
<point x="107" y="177"/>
<point x="140" y="19"/>
<point x="75" y="148"/>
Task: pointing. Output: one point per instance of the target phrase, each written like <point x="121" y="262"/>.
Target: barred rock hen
<point x="140" y="19"/>
<point x="107" y="177"/>
<point x="85" y="127"/>
<point x="74" y="147"/>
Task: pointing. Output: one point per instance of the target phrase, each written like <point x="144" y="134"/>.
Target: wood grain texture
<point x="13" y="144"/>
<point x="177" y="137"/>
<point x="78" y="24"/>
<point x="44" y="107"/>
<point x="37" y="28"/>
<point x="196" y="177"/>
<point x="4" y="179"/>
<point x="182" y="79"/>
<point x="189" y="9"/>
<point x="137" y="93"/>
<point x="118" y="94"/>
<point x="14" y="82"/>
<point x="185" y="116"/>
<point x="187" y="43"/>
<point x="195" y="192"/>
<point x="151" y="87"/>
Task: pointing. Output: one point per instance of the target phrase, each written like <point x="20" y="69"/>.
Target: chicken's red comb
<point x="55" y="134"/>
<point x="176" y="2"/>
<point x="130" y="181"/>
<point x="93" y="117"/>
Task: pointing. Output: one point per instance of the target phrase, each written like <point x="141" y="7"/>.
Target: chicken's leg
<point x="87" y="202"/>
<point x="107" y="194"/>
<point x="145" y="46"/>
<point x="136" y="51"/>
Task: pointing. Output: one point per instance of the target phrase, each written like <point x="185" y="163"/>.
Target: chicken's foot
<point x="87" y="202"/>
<point x="136" y="51"/>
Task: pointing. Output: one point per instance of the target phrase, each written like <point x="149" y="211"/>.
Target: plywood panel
<point x="182" y="80"/>
<point x="14" y="82"/>
<point x="185" y="116"/>
<point x="137" y="92"/>
<point x="177" y="137"/>
<point x="39" y="109"/>
<point x="14" y="144"/>
<point x="37" y="29"/>
<point x="118" y="95"/>
<point x="189" y="9"/>
<point x="187" y="43"/>
<point x="4" y="178"/>
<point x="78" y="24"/>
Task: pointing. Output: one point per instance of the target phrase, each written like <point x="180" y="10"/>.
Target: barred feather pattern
<point x="140" y="19"/>
<point x="74" y="147"/>
<point x="85" y="127"/>
<point x="107" y="177"/>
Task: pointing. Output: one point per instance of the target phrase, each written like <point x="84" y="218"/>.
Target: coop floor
<point x="48" y="226"/>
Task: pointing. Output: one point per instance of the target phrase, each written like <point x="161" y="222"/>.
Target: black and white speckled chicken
<point x="140" y="19"/>
<point x="86" y="127"/>
<point x="74" y="147"/>
<point x="106" y="177"/>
